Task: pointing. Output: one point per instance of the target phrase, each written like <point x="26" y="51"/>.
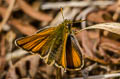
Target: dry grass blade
<point x="31" y="12"/>
<point x="2" y="55"/>
<point x="112" y="27"/>
<point x="26" y="29"/>
<point x="16" y="54"/>
<point x="9" y="10"/>
<point x="102" y="76"/>
<point x="26" y="66"/>
<point x="51" y="5"/>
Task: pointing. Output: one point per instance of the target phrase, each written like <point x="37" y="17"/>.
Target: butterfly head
<point x="68" y="24"/>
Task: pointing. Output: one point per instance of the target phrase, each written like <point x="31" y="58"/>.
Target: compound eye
<point x="69" y="25"/>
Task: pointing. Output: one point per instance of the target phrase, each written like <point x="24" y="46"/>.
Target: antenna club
<point x="62" y="13"/>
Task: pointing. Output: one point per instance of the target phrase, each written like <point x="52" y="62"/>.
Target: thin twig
<point x="26" y="29"/>
<point x="84" y="14"/>
<point x="58" y="73"/>
<point x="85" y="39"/>
<point x="2" y="52"/>
<point x="33" y="13"/>
<point x="102" y="76"/>
<point x="16" y="54"/>
<point x="85" y="71"/>
<point x="56" y="5"/>
<point x="9" y="10"/>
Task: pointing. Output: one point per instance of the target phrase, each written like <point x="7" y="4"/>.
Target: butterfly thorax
<point x="67" y="24"/>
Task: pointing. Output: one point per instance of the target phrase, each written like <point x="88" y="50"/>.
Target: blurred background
<point x="19" y="18"/>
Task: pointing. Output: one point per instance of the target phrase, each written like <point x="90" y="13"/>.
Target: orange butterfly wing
<point x="35" y="42"/>
<point x="74" y="57"/>
<point x="71" y="58"/>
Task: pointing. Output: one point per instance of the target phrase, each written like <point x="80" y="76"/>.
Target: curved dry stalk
<point x="9" y="10"/>
<point x="31" y="12"/>
<point x="106" y="76"/>
<point x="16" y="54"/>
<point x="111" y="27"/>
<point x="55" y="5"/>
<point x="58" y="73"/>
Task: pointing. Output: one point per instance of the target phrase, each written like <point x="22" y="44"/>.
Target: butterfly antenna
<point x="62" y="12"/>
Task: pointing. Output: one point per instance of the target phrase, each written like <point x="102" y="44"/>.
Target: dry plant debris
<point x="100" y="40"/>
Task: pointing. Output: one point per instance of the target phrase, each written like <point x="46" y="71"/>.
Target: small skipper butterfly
<point x="56" y="45"/>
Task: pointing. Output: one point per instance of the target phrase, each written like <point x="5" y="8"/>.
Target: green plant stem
<point x="58" y="73"/>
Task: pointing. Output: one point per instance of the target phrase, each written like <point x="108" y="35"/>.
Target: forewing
<point x="56" y="45"/>
<point x="35" y="42"/>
